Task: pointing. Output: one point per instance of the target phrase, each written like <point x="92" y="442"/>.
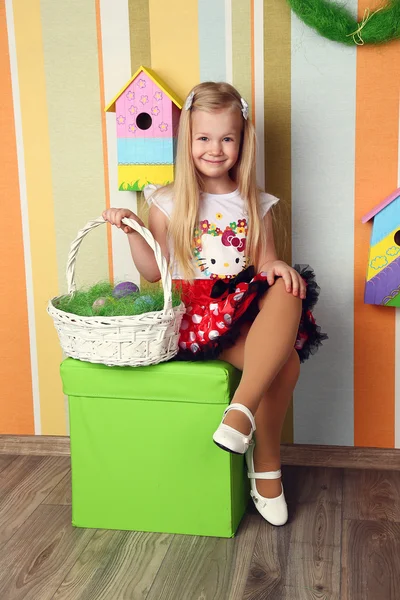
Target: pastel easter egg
<point x="99" y="303"/>
<point x="124" y="289"/>
<point x="144" y="304"/>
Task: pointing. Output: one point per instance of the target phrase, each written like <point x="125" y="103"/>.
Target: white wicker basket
<point x="135" y="340"/>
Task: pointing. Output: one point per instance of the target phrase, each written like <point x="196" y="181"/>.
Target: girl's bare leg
<point x="268" y="344"/>
<point x="271" y="409"/>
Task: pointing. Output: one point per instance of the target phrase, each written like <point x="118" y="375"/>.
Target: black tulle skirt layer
<point x="217" y="309"/>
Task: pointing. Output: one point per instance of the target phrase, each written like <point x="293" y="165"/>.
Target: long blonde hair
<point x="186" y="188"/>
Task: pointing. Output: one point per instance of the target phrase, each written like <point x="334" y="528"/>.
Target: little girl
<point x="243" y="305"/>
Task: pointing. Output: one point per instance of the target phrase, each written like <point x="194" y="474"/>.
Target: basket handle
<point x="145" y="233"/>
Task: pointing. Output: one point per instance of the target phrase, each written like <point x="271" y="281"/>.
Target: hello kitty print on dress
<point x="221" y="254"/>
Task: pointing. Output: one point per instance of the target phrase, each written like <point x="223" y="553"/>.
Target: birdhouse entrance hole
<point x="144" y="121"/>
<point x="397" y="237"/>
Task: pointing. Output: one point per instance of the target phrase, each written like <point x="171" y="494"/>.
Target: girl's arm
<point x="142" y="254"/>
<point x="269" y="263"/>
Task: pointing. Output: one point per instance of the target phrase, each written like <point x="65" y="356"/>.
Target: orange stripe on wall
<point x="104" y="136"/>
<point x="377" y="119"/>
<point x="16" y="405"/>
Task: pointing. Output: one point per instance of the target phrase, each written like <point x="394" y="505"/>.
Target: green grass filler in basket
<point x="118" y="326"/>
<point x="105" y="300"/>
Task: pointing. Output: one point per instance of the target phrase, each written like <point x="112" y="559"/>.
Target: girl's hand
<point x="294" y="283"/>
<point x="115" y="216"/>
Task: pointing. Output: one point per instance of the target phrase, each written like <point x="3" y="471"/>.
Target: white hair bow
<point x="189" y="101"/>
<point x="245" y="108"/>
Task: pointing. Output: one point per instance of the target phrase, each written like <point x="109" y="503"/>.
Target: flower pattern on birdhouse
<point x="121" y="120"/>
<point x="132" y="109"/>
<point x="144" y="99"/>
<point x="130" y="95"/>
<point x="158" y="96"/>
<point x="163" y="126"/>
<point x="155" y="111"/>
<point x="142" y="83"/>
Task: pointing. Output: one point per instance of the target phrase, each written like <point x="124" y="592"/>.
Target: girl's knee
<point x="278" y="293"/>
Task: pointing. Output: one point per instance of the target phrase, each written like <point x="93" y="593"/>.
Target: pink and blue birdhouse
<point x="147" y="114"/>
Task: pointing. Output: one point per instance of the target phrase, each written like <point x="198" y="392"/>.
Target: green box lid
<point x="211" y="382"/>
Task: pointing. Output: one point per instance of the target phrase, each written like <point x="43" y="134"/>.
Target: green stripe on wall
<point x="241" y="44"/>
<point x="74" y="114"/>
<point x="139" y="30"/>
<point x="277" y="144"/>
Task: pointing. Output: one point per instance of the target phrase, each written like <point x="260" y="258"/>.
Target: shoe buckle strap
<point x="266" y="475"/>
<point x="242" y="408"/>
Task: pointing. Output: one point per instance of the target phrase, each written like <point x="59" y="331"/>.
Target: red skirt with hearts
<point x="216" y="311"/>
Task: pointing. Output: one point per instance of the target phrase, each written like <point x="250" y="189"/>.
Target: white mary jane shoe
<point x="231" y="439"/>
<point x="274" y="510"/>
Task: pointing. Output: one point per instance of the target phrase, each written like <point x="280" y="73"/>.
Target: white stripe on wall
<point x="24" y="215"/>
<point x="228" y="41"/>
<point x="323" y="157"/>
<point x="117" y="71"/>
<point x="259" y="87"/>
<point x="211" y="15"/>
<point x="397" y="354"/>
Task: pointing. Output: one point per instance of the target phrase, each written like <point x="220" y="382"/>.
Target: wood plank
<point x="387" y="459"/>
<point x="24" y="488"/>
<point x="302" y="559"/>
<point x="206" y="568"/>
<point x="347" y="457"/>
<point x="89" y="566"/>
<point x="5" y="460"/>
<point x="134" y="559"/>
<point x="37" y="558"/>
<point x="61" y="493"/>
<point x="15" y="471"/>
<point x="370" y="560"/>
<point x="38" y="445"/>
<point x="372" y="495"/>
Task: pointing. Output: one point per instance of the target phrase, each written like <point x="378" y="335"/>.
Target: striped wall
<point x="327" y="120"/>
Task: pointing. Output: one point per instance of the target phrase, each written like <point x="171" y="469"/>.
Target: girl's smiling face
<point x="216" y="140"/>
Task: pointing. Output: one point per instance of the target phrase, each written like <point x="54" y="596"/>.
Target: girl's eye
<point x="203" y="139"/>
<point x="228" y="139"/>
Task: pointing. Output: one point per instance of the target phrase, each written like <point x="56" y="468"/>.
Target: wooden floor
<point x="342" y="542"/>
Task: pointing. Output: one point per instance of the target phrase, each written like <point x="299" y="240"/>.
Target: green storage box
<point x="142" y="452"/>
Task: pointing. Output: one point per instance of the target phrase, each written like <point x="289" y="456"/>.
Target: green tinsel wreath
<point x="335" y="22"/>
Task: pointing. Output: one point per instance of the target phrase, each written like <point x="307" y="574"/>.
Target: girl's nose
<point x="216" y="148"/>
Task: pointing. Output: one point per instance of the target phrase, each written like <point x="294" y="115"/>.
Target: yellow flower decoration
<point x="240" y="230"/>
<point x="219" y="216"/>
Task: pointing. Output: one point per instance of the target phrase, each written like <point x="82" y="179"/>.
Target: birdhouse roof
<point x="171" y="95"/>
<point x="380" y="206"/>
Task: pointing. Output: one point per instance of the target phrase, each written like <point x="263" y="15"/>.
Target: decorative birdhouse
<point x="383" y="275"/>
<point x="147" y="115"/>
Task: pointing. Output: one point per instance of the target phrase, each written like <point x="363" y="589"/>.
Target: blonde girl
<point x="243" y="304"/>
